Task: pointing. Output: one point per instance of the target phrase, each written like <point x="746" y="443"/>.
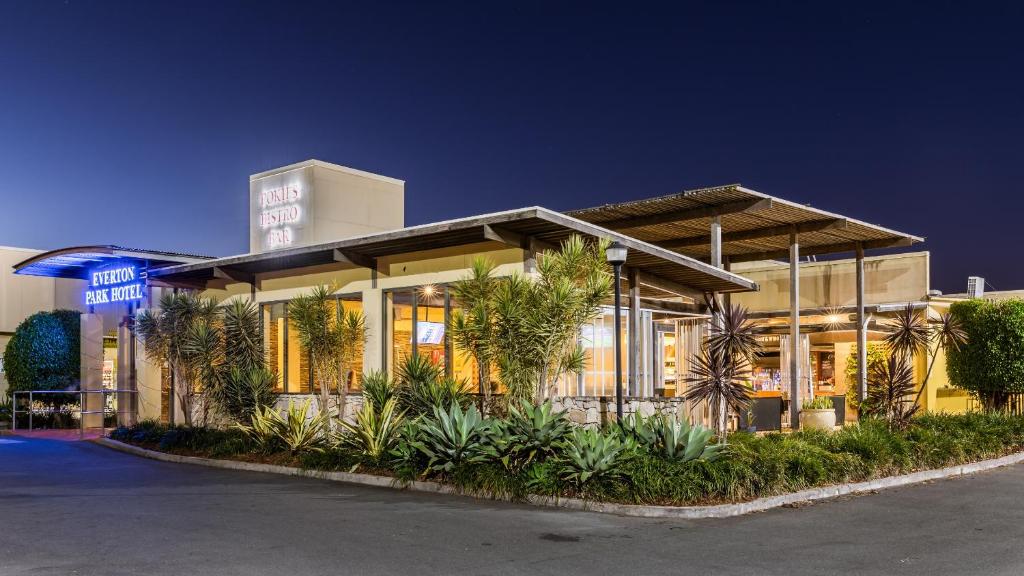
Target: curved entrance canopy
<point x="76" y="262"/>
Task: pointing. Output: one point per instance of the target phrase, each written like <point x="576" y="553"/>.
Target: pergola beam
<point x="751" y="205"/>
<point x="823" y="249"/>
<point x="757" y="233"/>
<point x="354" y="259"/>
<point x="510" y="238"/>
<point x="666" y="285"/>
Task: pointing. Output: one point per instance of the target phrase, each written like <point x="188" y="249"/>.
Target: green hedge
<point x="44" y="352"/>
<point x="753" y="467"/>
<point x="991" y="364"/>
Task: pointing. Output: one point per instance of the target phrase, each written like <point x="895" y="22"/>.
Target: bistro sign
<point x="118" y="284"/>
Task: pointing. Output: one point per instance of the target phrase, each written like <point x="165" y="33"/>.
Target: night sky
<point x="138" y="123"/>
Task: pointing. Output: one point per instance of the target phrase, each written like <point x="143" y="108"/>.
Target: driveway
<point x="79" y="508"/>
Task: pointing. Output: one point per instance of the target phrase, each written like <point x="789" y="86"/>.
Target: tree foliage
<point x="43" y="353"/>
<point x="331" y="338"/>
<point x="529" y="326"/>
<point x="990" y="363"/>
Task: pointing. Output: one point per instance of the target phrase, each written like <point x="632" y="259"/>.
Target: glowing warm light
<point x="834" y="319"/>
<point x="429" y="290"/>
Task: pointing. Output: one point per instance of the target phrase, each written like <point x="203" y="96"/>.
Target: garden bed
<point x="753" y="467"/>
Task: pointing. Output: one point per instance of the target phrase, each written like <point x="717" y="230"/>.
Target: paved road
<point x="79" y="508"/>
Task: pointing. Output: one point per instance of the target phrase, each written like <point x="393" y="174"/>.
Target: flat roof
<point x="77" y="261"/>
<point x="662" y="271"/>
<point x="755" y="226"/>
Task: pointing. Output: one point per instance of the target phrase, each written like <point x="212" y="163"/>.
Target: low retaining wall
<point x="682" y="512"/>
<point x="600" y="410"/>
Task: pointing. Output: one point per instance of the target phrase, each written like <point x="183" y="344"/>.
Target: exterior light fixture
<point x="616" y="256"/>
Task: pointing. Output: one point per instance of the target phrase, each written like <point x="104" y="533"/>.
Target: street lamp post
<point x="616" y="255"/>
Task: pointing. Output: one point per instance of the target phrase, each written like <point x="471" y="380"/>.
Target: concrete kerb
<point x="681" y="512"/>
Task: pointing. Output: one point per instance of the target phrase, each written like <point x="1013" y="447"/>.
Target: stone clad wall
<point x="599" y="410"/>
<point x="353" y="404"/>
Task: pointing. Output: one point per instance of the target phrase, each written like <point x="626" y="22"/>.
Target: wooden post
<point x="794" y="327"/>
<point x="862" y="333"/>
<point x="636" y="387"/>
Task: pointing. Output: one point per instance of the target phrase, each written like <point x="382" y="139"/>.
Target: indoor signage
<point x="279" y="207"/>
<point x="116" y="284"/>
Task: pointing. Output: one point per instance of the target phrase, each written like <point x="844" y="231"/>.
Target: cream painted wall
<point x="335" y="202"/>
<point x="413" y="269"/>
<point x="888" y="279"/>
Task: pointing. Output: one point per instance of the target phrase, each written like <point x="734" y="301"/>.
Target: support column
<point x="636" y="387"/>
<point x="794" y="327"/>
<point x="862" y="333"/>
<point x="91" y="369"/>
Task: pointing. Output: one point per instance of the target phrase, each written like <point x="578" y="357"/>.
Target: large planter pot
<point x="823" y="419"/>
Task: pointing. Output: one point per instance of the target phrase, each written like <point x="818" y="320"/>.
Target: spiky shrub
<point x="890" y="387"/>
<point x="423" y="387"/>
<point x="721" y="381"/>
<point x="378" y="389"/>
<point x="590" y="454"/>
<point x="671" y="437"/>
<point x="453" y="437"/>
<point x="538" y="429"/>
<point x="302" y="434"/>
<point x="375" y="432"/>
<point x="243" y="391"/>
<point x="265" y="429"/>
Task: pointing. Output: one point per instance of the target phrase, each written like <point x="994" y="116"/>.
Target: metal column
<point x="794" y="327"/>
<point x="862" y="333"/>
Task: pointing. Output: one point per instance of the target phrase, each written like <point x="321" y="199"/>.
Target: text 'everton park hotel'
<point x="809" y="274"/>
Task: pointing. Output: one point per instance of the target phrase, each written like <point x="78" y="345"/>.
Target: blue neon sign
<point x="120" y="283"/>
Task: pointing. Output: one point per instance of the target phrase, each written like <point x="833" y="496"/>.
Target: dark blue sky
<point x="138" y="123"/>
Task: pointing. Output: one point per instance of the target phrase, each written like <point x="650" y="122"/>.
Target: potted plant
<point x="818" y="414"/>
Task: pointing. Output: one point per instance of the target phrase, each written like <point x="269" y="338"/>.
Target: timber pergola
<point x="728" y="224"/>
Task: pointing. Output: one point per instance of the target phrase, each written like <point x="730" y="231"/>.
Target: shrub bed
<point x="750" y="467"/>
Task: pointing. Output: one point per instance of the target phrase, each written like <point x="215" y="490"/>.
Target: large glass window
<point x="274" y="341"/>
<point x="354" y="365"/>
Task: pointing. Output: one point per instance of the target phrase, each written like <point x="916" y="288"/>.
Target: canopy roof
<point x="77" y="261"/>
<point x="662" y="271"/>
<point x="755" y="226"/>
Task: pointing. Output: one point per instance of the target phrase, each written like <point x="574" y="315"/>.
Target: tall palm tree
<point x="324" y="336"/>
<point x="910" y="332"/>
<point x="164" y="333"/>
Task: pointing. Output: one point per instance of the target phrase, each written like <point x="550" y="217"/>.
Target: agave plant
<point x="528" y="431"/>
<point x="453" y="437"/>
<point x="588" y="454"/>
<point x="539" y="427"/>
<point x="679" y="440"/>
<point x="889" y="388"/>
<point x="672" y="437"/>
<point x="375" y="433"/>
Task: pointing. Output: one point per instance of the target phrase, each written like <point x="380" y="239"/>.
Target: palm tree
<point x="890" y="384"/>
<point x="472" y="325"/>
<point x="327" y="338"/>
<point x="720" y="381"/>
<point x="721" y="371"/>
<point x="911" y="332"/>
<point x="164" y="333"/>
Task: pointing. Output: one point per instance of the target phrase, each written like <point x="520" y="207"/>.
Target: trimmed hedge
<point x="44" y="352"/>
<point x="991" y="364"/>
<point x="753" y="467"/>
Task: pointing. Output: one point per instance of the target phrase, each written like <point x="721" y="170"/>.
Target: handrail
<point x="81" y="406"/>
